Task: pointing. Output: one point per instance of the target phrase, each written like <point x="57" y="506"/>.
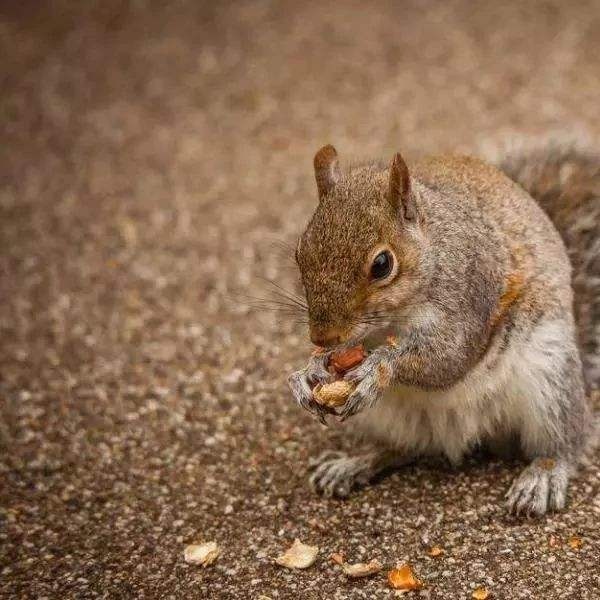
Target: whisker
<point x="287" y="294"/>
<point x="281" y="301"/>
<point x="292" y="300"/>
<point x="282" y="245"/>
<point x="272" y="302"/>
<point x="281" y="288"/>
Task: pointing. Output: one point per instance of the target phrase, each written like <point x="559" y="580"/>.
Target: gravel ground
<point x="156" y="164"/>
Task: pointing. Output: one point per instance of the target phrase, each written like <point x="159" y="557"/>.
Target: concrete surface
<point x="156" y="160"/>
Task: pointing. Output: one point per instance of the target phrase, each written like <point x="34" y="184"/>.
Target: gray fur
<point x="563" y="175"/>
<point x="539" y="488"/>
<point x="336" y="473"/>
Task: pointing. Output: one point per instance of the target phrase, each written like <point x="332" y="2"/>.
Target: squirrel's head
<point x="359" y="257"/>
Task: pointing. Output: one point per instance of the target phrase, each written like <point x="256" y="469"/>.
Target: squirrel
<point x="488" y="277"/>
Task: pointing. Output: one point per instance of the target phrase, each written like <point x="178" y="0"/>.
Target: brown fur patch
<point x="384" y="376"/>
<point x="513" y="285"/>
<point x="547" y="463"/>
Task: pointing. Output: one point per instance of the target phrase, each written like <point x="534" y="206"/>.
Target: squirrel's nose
<point x="326" y="337"/>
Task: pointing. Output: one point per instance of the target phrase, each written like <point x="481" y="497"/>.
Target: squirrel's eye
<point x="382" y="265"/>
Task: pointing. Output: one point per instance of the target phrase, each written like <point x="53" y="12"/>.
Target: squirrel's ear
<point x="400" y="194"/>
<point x="327" y="170"/>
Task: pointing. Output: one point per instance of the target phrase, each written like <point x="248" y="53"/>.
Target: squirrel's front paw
<point x="372" y="376"/>
<point x="302" y="382"/>
<point x="365" y="395"/>
<point x="316" y="370"/>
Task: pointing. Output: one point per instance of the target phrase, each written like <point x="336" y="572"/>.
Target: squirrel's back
<point x="564" y="178"/>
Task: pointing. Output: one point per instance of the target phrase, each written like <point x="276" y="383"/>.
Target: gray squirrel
<point x="488" y="277"/>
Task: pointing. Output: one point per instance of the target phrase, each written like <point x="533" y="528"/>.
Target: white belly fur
<point x="504" y="393"/>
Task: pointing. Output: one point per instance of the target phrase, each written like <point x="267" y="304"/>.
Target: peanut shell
<point x="333" y="394"/>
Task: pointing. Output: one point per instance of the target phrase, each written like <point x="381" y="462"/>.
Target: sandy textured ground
<point x="155" y="162"/>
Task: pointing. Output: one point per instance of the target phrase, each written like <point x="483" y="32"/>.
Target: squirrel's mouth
<point x="369" y="334"/>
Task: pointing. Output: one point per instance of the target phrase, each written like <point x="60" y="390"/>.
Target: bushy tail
<point x="564" y="178"/>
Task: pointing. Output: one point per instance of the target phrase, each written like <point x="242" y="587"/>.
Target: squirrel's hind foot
<point x="336" y="474"/>
<point x="542" y="486"/>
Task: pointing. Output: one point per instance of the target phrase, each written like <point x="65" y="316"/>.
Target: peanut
<point x="333" y="394"/>
<point x="347" y="359"/>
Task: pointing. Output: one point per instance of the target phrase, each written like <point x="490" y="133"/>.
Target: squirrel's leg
<point x="550" y="407"/>
<point x="336" y="473"/>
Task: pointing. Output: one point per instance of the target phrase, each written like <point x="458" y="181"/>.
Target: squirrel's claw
<point x="369" y="385"/>
<point x="542" y="486"/>
<point x="316" y="371"/>
<point x="364" y="396"/>
<point x="302" y="391"/>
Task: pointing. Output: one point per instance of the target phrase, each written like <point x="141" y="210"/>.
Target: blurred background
<point x="156" y="159"/>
